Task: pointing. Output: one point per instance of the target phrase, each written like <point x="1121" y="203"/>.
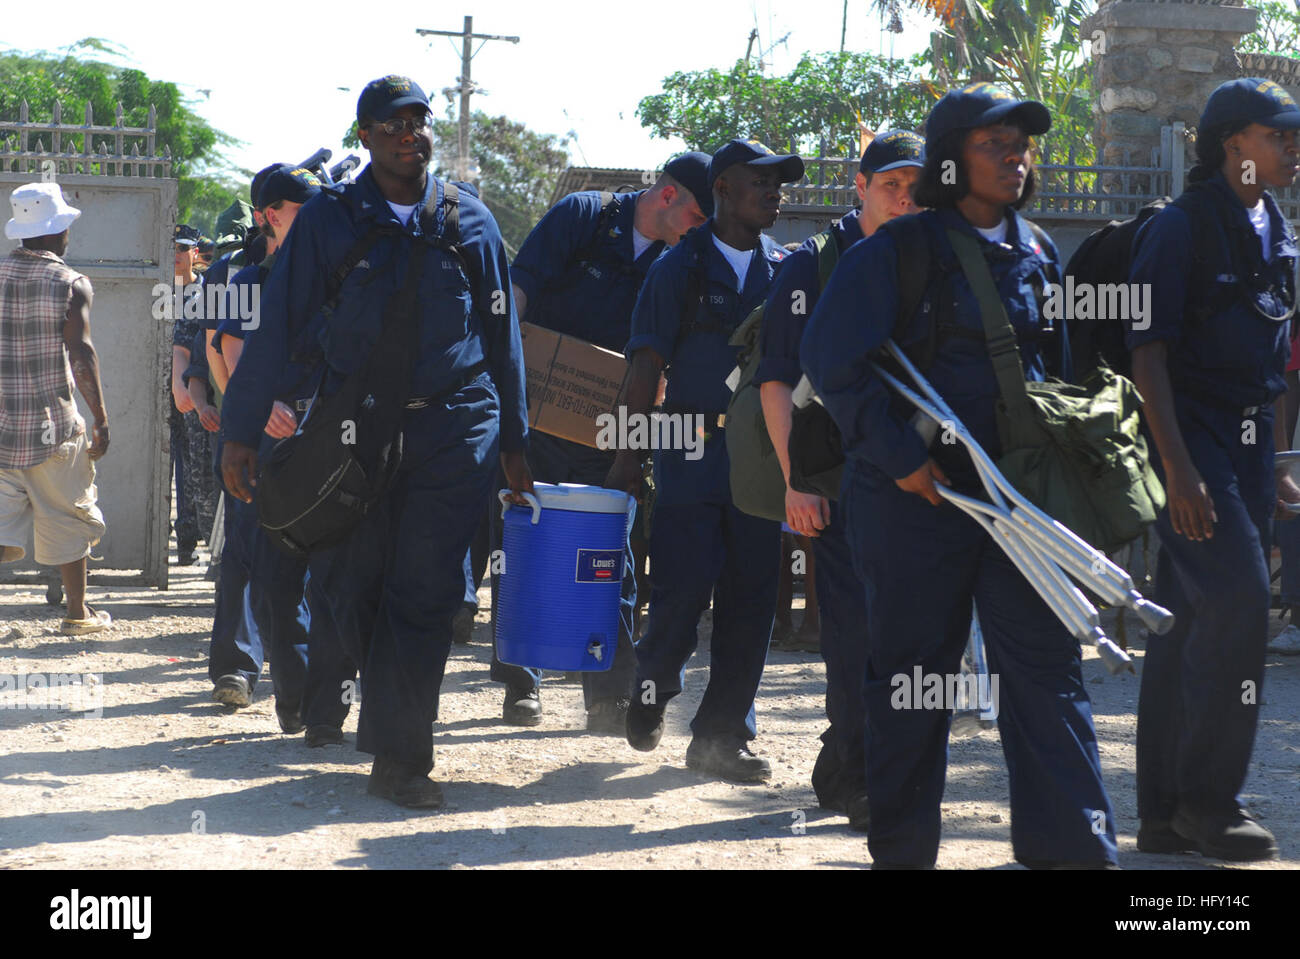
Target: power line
<point x="466" y="85"/>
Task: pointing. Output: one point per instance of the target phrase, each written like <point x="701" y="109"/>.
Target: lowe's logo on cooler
<point x="599" y="566"/>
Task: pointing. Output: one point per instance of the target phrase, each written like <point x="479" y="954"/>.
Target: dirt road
<point x="166" y="778"/>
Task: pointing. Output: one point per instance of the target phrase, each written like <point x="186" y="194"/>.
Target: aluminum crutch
<point x="1035" y="543"/>
<point x="1084" y="562"/>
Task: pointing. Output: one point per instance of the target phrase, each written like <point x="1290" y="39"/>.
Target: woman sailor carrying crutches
<point x="1210" y="363"/>
<point x="923" y="562"/>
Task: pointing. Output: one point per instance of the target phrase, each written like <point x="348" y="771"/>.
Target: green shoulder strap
<point x="746" y="335"/>
<point x="828" y="254"/>
<point x="998" y="333"/>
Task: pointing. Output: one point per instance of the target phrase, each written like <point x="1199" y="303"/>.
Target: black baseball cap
<point x="185" y="235"/>
<point x="752" y="153"/>
<point x="893" y="149"/>
<point x="383" y="97"/>
<point x="295" y="184"/>
<point x="691" y="170"/>
<point x="1239" y="103"/>
<point x="983" y="104"/>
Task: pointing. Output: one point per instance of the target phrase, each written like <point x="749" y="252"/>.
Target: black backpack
<point x="318" y="484"/>
<point x="1105" y="256"/>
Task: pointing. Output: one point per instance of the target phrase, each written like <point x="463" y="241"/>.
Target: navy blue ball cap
<point x="259" y="178"/>
<point x="383" y="97"/>
<point x="893" y="149"/>
<point x="1239" y="103"/>
<point x="691" y="170"/>
<point x="295" y="184"/>
<point x="185" y="235"/>
<point x="983" y="104"/>
<point x="752" y="153"/>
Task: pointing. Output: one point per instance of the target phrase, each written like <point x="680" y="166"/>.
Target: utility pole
<point x="466" y="86"/>
<point x="844" y="25"/>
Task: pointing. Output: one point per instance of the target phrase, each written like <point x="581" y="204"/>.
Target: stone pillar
<point x="1155" y="63"/>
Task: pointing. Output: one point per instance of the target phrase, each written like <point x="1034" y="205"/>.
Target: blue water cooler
<point x="558" y="597"/>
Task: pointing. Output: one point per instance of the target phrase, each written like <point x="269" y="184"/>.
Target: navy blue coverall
<point x="700" y="543"/>
<point x="308" y="663"/>
<point x="396" y="583"/>
<point x="922" y="565"/>
<point x="578" y="271"/>
<point x="840" y="771"/>
<point x="1201" y="681"/>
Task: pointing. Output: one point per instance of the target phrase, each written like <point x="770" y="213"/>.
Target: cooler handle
<point x="533" y="501"/>
<point x="631" y="516"/>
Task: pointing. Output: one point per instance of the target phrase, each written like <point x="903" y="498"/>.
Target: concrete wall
<point x="122" y="242"/>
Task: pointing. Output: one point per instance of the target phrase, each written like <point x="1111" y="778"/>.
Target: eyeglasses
<point x="397" y="125"/>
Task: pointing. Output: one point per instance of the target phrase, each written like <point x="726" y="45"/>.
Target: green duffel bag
<point x="1076" y="453"/>
<point x="1074" y="450"/>
<point x="757" y="482"/>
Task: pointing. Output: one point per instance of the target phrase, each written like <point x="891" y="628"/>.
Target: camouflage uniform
<point x="192" y="456"/>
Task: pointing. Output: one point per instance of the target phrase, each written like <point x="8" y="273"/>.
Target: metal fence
<point x="85" y="148"/>
<point x="1067" y="190"/>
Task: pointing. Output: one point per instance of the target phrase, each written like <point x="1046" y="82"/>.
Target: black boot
<point x="523" y="707"/>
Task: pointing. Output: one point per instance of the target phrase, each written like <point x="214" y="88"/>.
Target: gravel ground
<point x="166" y="778"/>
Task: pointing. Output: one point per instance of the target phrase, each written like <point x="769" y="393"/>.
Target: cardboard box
<point x="570" y="383"/>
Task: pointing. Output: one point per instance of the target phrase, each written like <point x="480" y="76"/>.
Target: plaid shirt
<point x="37" y="411"/>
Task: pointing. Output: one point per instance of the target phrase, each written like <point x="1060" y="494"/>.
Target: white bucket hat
<point x="39" y="210"/>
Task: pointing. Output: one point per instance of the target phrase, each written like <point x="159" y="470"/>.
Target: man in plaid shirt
<point x="47" y="477"/>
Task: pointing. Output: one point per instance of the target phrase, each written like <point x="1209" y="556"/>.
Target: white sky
<point x="274" y="69"/>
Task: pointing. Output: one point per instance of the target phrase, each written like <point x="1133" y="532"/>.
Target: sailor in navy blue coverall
<point x="922" y="562"/>
<point x="578" y="273"/>
<point x="1210" y="361"/>
<point x="259" y="612"/>
<point x="279" y="616"/>
<point x="693" y="299"/>
<point x="396" y="582"/>
<point x="886" y="173"/>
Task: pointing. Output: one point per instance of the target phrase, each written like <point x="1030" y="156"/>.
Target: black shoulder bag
<point x="317" y="485"/>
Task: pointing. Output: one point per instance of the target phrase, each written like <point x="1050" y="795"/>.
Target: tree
<point x="517" y="167"/>
<point x="826" y="99"/>
<point x="83" y="74"/>
<point x="1278" y="30"/>
<point x="1032" y="47"/>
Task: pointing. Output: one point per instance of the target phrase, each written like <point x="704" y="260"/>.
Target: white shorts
<point x="58" y="498"/>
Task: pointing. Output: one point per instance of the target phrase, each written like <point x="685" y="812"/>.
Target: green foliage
<point x="1032" y="47"/>
<point x="820" y="100"/>
<point x="1278" y="29"/>
<point x="82" y="75"/>
<point x="204" y="197"/>
<point x="518" y="167"/>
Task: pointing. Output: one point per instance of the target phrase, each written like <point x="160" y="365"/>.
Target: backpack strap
<point x="914" y="267"/>
<point x="695" y="288"/>
<point x="828" y="254"/>
<point x="608" y="209"/>
<point x="448" y="238"/>
<point x="451" y="214"/>
<point x="1206" y="212"/>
